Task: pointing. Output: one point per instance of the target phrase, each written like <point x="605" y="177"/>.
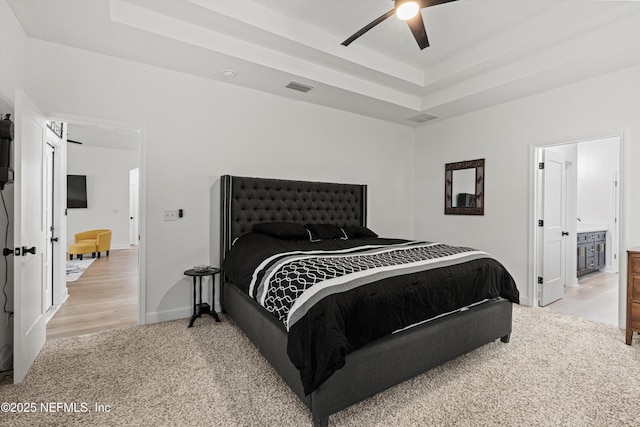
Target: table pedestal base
<point x="203" y="308"/>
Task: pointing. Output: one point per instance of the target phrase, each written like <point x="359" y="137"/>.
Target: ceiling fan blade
<point x="416" y="24"/>
<point x="367" y="27"/>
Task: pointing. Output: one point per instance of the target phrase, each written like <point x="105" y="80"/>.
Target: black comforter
<point x="343" y="314"/>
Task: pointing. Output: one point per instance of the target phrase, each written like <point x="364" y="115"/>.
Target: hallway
<point x="105" y="297"/>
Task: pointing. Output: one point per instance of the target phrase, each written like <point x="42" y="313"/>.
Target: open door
<point x="29" y="236"/>
<point x="552" y="279"/>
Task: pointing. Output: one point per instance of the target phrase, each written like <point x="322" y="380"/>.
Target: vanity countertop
<point x="589" y="228"/>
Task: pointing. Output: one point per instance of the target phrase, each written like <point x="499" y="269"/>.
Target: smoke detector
<point x="228" y="73"/>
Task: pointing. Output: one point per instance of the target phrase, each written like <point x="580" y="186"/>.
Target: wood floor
<point x="595" y="298"/>
<point x="105" y="297"/>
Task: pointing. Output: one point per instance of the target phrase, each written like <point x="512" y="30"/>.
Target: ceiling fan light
<point x="407" y="10"/>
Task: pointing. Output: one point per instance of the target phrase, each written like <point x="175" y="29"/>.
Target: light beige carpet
<point x="556" y="371"/>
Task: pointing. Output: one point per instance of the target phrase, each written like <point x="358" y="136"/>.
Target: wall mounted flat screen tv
<point x="76" y="191"/>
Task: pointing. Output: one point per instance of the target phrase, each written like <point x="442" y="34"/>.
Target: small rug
<point x="76" y="267"/>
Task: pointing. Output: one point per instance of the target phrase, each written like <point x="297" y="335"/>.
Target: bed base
<point x="378" y="365"/>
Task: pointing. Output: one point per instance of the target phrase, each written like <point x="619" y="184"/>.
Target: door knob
<point x="31" y="250"/>
<point x="9" y="251"/>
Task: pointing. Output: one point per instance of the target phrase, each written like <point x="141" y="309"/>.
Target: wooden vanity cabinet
<point x="633" y="293"/>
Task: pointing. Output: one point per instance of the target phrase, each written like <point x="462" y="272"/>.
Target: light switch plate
<point x="170" y="215"/>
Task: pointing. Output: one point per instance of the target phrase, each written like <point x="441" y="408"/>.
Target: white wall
<point x="12" y="53"/>
<point x="597" y="161"/>
<point x="503" y="135"/>
<point x="198" y="130"/>
<point x="12" y="63"/>
<point x="107" y="172"/>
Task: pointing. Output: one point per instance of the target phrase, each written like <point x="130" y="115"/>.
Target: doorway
<point x="104" y="153"/>
<point x="593" y="169"/>
<point x="30" y="164"/>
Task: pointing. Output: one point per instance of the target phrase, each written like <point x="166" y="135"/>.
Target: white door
<point x="553" y="228"/>
<point x="48" y="215"/>
<point x="133" y="206"/>
<point x="29" y="332"/>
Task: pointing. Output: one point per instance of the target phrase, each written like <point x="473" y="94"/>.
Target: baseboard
<point x="65" y="295"/>
<point x="167" y="315"/>
<point x="178" y="313"/>
<point x="524" y="301"/>
<point x="52" y="311"/>
<point x="573" y="283"/>
<point x="120" y="246"/>
<point x="55" y="307"/>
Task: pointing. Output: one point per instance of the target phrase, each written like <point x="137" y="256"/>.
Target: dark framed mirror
<point x="464" y="188"/>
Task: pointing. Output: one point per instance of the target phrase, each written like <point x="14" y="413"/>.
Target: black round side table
<point x="201" y="308"/>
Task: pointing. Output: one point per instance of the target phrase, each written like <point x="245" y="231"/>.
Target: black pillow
<point x="359" y="232"/>
<point x="281" y="230"/>
<point x="324" y="232"/>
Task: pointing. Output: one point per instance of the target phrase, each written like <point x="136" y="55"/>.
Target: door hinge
<point x="541" y="165"/>
<point x="540" y="280"/>
<point x="540" y="223"/>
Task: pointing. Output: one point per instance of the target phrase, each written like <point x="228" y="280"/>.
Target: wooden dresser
<point x="633" y="293"/>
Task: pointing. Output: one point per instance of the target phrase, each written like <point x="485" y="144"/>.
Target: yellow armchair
<point x="100" y="238"/>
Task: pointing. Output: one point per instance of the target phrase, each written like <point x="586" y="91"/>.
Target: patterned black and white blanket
<point x="288" y="284"/>
<point x="336" y="296"/>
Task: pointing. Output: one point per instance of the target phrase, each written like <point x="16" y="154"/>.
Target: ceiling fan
<point x="407" y="10"/>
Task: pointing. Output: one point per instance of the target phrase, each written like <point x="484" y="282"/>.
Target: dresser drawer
<point x="635" y="287"/>
<point x="634" y="322"/>
<point x="633" y="294"/>
<point x="600" y="235"/>
<point x="590" y="260"/>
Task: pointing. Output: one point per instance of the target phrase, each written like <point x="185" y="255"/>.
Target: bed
<point x="371" y="367"/>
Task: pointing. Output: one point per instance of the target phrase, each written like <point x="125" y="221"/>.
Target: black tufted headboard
<point x="248" y="201"/>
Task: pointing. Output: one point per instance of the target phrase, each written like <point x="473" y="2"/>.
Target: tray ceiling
<point x="483" y="52"/>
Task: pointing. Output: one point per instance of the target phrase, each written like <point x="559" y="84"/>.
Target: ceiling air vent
<point x="422" y="118"/>
<point x="299" y="87"/>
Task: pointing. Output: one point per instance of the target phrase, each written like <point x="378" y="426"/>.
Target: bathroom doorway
<point x="592" y="286"/>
